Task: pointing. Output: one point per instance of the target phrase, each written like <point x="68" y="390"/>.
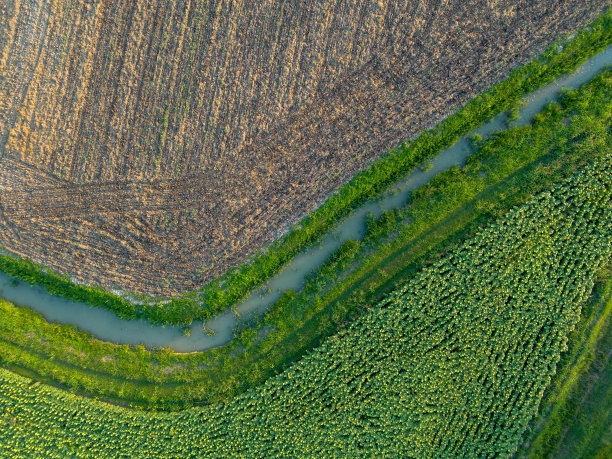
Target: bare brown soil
<point x="153" y="145"/>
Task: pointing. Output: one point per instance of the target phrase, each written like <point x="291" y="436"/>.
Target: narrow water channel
<point x="106" y="326"/>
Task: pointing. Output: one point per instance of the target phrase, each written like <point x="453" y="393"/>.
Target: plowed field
<point x="153" y="145"/>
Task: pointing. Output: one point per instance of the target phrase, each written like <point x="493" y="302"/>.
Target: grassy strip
<point x="236" y="284"/>
<point x="593" y="430"/>
<point x="505" y="171"/>
<point x="564" y="400"/>
<point x="590" y="434"/>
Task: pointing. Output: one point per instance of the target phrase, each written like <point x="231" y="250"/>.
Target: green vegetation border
<point x="221" y="293"/>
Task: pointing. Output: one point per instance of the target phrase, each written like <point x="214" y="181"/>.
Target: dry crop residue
<point x="143" y="141"/>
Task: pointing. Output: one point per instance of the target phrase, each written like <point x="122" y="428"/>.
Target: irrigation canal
<point x="106" y="326"/>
